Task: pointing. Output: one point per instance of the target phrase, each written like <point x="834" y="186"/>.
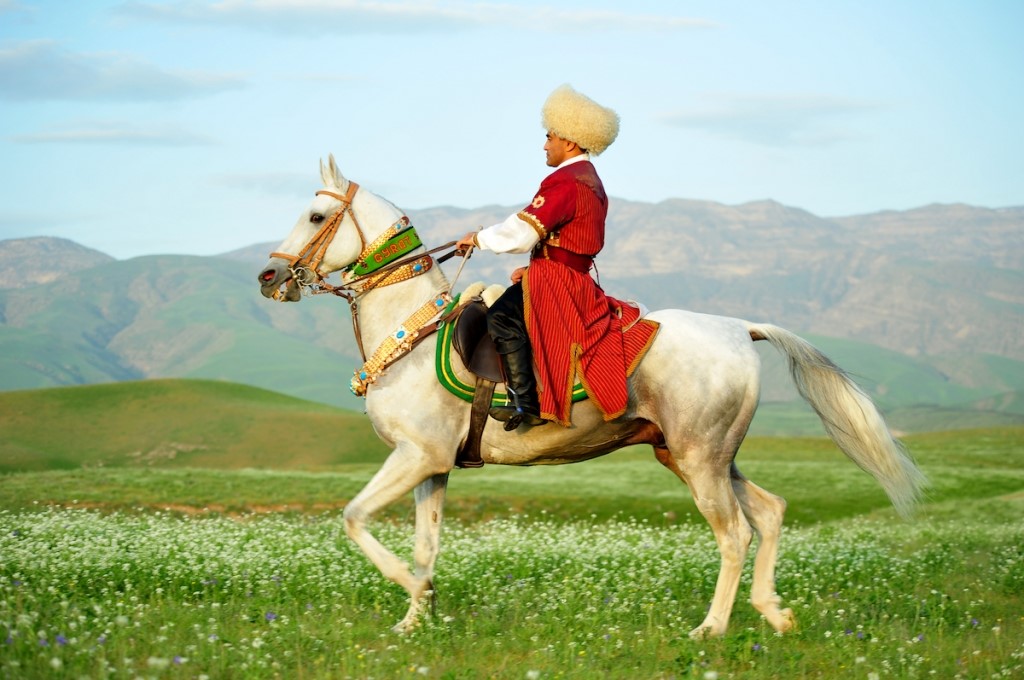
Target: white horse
<point x="692" y="398"/>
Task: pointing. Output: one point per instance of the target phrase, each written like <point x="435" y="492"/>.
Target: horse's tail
<point x="849" y="416"/>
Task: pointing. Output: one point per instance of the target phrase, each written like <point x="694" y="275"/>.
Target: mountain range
<point x="925" y="307"/>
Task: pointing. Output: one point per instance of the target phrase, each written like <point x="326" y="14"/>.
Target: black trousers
<point x="506" y="322"/>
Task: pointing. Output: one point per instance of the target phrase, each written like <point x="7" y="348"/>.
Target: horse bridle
<point x="305" y="266"/>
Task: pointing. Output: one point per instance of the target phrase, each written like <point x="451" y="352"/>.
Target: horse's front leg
<point x="406" y="468"/>
<point x="429" y="508"/>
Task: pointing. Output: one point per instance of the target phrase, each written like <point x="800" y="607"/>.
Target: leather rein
<point x="305" y="266"/>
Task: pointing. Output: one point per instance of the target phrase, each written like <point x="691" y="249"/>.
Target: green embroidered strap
<point x="400" y="239"/>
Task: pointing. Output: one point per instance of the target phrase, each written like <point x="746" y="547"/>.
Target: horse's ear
<point x="330" y="174"/>
<point x="325" y="174"/>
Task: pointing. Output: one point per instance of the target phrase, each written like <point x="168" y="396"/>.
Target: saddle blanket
<point x="637" y="336"/>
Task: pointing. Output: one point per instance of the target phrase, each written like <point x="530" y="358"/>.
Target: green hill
<point x="177" y="423"/>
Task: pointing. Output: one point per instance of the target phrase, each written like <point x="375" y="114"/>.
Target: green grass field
<point x="174" y="424"/>
<point x="231" y="561"/>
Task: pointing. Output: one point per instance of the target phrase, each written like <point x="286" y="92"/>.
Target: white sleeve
<point x="514" y="235"/>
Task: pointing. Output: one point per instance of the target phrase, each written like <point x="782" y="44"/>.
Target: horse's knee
<point x="768" y="517"/>
<point x="776" y="508"/>
<point x="744" y="537"/>
<point x="354" y="519"/>
<point x="739" y="542"/>
<point x="731" y="529"/>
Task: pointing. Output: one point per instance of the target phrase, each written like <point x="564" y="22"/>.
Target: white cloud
<point x="42" y="70"/>
<point x="11" y="6"/>
<point x="401" y="16"/>
<point x="774" y="120"/>
<point x="116" y="134"/>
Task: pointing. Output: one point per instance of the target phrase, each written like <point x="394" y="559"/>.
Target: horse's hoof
<point x="405" y="626"/>
<point x="705" y="632"/>
<point x="787" y="622"/>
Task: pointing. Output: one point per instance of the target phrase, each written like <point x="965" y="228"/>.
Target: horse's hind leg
<point x="764" y="511"/>
<point x="712" y="491"/>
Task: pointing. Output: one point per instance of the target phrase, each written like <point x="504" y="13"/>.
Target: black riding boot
<point x="507" y="327"/>
<point x="522" y="388"/>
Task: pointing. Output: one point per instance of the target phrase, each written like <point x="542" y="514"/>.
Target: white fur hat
<point x="580" y="119"/>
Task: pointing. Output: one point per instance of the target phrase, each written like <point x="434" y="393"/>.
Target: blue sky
<point x="184" y="126"/>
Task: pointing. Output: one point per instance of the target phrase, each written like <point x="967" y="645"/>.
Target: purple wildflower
<point x="270" y="616"/>
<point x="61" y="640"/>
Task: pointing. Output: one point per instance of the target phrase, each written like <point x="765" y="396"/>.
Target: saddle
<point x="475" y="347"/>
<point x="474" y="344"/>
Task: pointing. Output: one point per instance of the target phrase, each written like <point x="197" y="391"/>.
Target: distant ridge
<point x="42" y="259"/>
<point x="256" y="253"/>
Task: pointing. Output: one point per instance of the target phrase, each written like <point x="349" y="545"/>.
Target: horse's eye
<point x="316" y="218"/>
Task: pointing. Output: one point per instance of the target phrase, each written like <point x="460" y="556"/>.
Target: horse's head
<point x="330" y="234"/>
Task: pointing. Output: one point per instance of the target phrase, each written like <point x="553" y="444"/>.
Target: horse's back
<point x="701" y="373"/>
<point x="702" y="344"/>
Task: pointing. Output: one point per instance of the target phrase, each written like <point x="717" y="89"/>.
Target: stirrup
<point x="523" y="418"/>
<point x="513" y="417"/>
<point x="503" y="413"/>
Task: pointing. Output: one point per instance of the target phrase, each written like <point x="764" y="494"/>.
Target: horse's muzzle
<point x="276" y="281"/>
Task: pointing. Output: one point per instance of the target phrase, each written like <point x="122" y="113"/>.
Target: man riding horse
<point x="554" y="306"/>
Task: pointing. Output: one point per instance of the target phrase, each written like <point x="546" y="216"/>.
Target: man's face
<point x="557" y="149"/>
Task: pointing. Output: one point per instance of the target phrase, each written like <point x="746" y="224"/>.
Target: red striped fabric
<point x="573" y="328"/>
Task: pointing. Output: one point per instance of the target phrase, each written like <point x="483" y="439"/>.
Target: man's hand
<point x="464" y="244"/>
<point x="518" y="275"/>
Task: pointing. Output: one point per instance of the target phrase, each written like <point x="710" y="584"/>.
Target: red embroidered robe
<point x="573" y="330"/>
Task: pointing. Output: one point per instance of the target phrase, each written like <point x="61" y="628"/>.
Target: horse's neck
<point x="371" y="209"/>
<point x="382" y="310"/>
